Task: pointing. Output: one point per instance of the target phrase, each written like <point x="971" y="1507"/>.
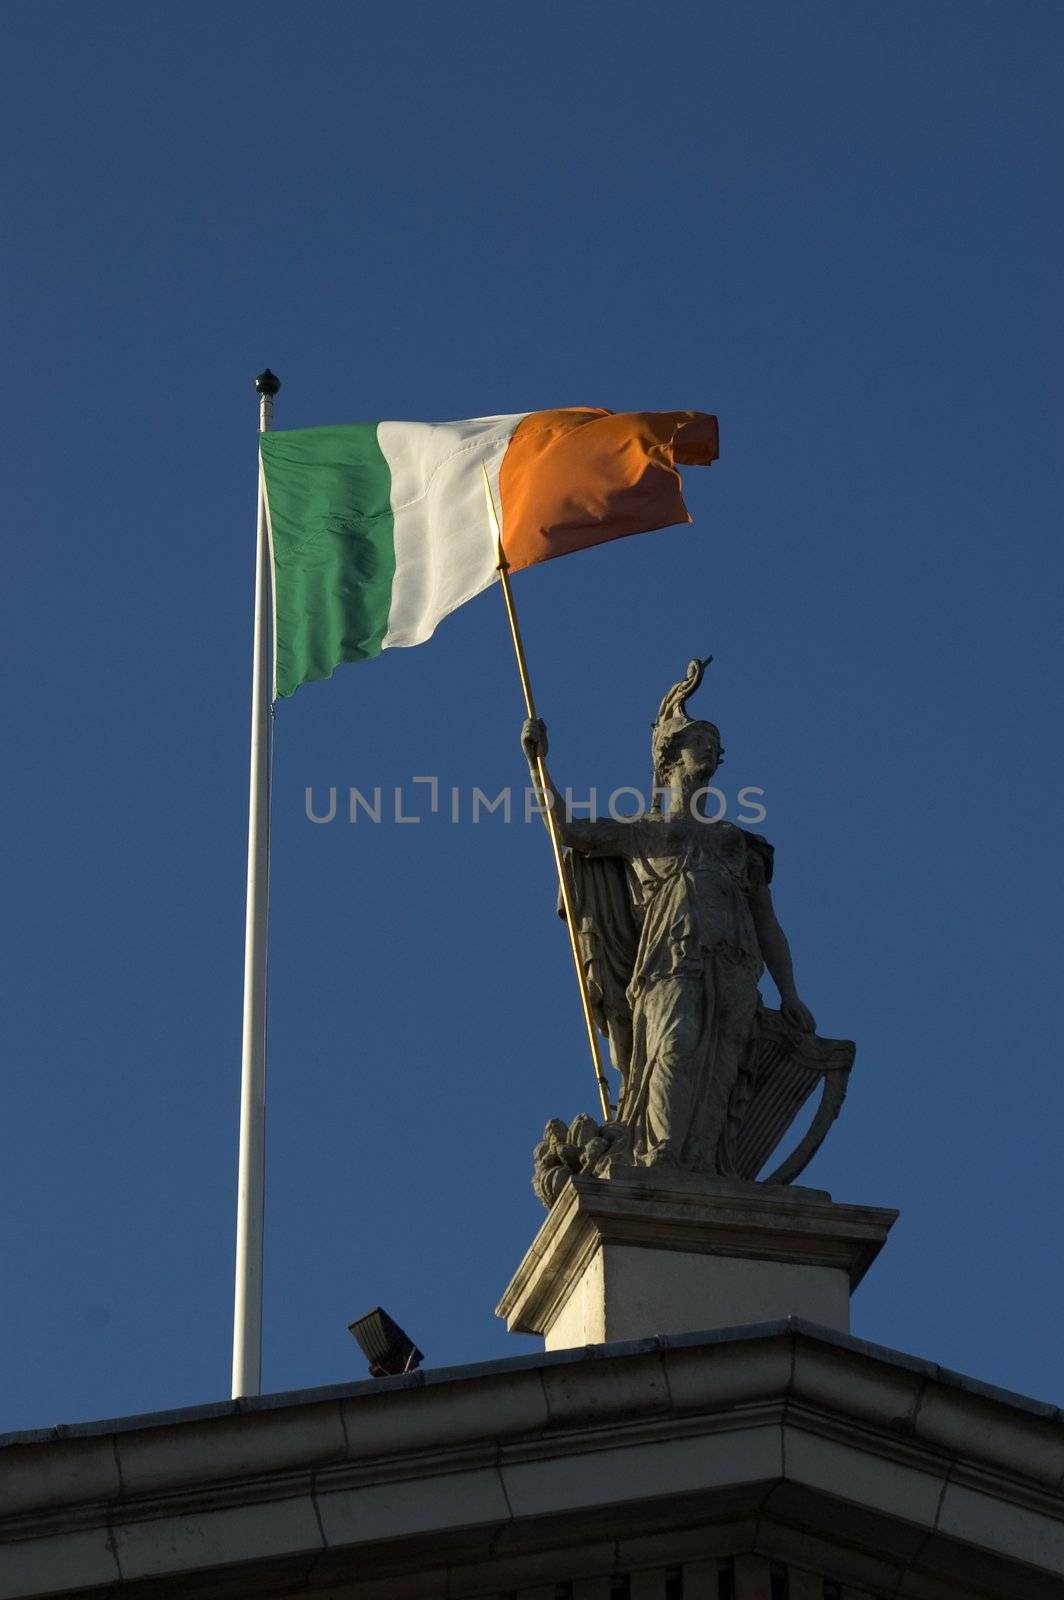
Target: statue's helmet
<point x="672" y="722"/>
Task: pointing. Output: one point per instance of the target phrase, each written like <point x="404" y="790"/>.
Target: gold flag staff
<point x="546" y="799"/>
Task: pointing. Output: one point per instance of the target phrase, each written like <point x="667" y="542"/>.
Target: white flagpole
<point x="247" y="1304"/>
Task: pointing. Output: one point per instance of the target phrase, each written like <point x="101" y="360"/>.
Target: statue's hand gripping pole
<point x="547" y="801"/>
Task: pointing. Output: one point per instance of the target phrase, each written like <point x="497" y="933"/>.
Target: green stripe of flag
<point x="333" y="538"/>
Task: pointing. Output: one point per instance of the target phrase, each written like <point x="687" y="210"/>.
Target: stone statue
<point x="675" y="925"/>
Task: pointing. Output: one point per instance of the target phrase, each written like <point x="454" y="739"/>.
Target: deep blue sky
<point x="834" y="224"/>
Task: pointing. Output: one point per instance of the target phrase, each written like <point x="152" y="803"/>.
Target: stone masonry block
<point x="407" y="1507"/>
<point x="594" y="1391"/>
<point x="444" y="1416"/>
<point x="230" y="1447"/>
<point x="60" y="1473"/>
<point x="217" y="1538"/>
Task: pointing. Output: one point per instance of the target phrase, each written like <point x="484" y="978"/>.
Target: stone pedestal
<point x="639" y="1253"/>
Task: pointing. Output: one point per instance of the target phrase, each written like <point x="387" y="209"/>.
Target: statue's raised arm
<point x="607" y="836"/>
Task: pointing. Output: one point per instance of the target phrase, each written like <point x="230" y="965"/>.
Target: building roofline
<point x="485" y="1369"/>
<point x="786" y="1426"/>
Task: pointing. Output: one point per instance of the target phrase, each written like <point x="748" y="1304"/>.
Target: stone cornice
<point x="747" y="1221"/>
<point x="758" y="1420"/>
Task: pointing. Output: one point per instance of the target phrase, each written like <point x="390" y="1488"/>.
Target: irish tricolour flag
<point x="379" y="529"/>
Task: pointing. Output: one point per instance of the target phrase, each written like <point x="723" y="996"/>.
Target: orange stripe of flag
<point x="582" y="476"/>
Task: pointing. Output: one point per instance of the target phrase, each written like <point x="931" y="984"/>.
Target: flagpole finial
<point x="267" y="383"/>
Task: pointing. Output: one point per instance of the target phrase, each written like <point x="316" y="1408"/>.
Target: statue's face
<point x="696" y="755"/>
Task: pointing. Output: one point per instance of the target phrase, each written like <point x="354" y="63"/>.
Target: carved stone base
<point x="645" y="1251"/>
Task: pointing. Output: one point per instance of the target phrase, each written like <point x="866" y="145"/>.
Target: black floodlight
<point x="385" y="1346"/>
